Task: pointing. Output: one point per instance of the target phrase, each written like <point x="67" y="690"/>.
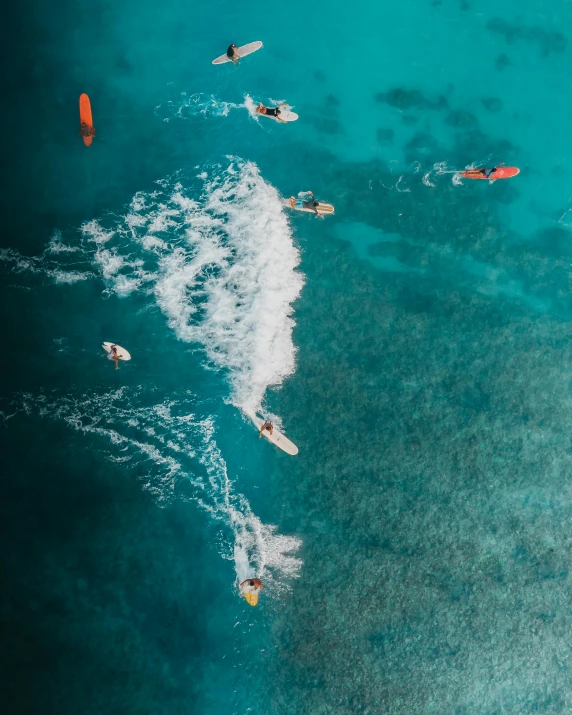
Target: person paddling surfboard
<point x="271" y="111"/>
<point x="87" y="131"/>
<point x="491" y="174"/>
<point x="306" y="200"/>
<point x="268" y="427"/>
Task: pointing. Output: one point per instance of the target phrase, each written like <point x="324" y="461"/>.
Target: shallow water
<point x="414" y="346"/>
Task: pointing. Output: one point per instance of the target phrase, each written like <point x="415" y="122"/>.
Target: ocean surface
<point x="416" y="347"/>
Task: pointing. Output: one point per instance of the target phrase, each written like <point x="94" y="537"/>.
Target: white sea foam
<point x="60" y="276"/>
<point x="251" y="106"/>
<point x="566" y="219"/>
<point x="60" y="262"/>
<point x="56" y="244"/>
<point x="427" y="179"/>
<point x="219" y="260"/>
<point x="172" y="446"/>
<point x="222" y="268"/>
<point x="216" y="255"/>
<point x="186" y="105"/>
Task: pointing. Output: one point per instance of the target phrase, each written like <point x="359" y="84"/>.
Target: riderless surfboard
<point x="322" y="208"/>
<point x="500" y="172"/>
<point x="123" y="353"/>
<point x="276" y="437"/>
<point x="240" y="51"/>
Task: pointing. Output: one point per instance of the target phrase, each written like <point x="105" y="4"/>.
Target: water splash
<point x="171" y="446"/>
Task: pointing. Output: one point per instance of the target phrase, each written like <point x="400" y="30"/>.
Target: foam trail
<point x="221" y="267"/>
<point x="566" y="219"/>
<point x="219" y="260"/>
<point x="187" y="106"/>
<point x="60" y="262"/>
<point x="427" y="179"/>
<point x="172" y="443"/>
<point x="216" y="254"/>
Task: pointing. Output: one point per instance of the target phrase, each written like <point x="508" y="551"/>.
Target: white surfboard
<point x="122" y="351"/>
<point x="277" y="438"/>
<point x="285" y="115"/>
<point x="322" y="208"/>
<point x="240" y="51"/>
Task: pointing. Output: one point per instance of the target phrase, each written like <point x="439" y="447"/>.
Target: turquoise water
<point x="414" y="346"/>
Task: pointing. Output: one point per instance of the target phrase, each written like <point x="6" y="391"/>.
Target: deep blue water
<point x="415" y="346"/>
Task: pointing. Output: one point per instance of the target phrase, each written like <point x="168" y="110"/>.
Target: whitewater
<point x="215" y="254"/>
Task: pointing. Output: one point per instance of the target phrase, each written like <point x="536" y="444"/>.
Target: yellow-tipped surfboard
<point x="250" y="590"/>
<point x="251" y="598"/>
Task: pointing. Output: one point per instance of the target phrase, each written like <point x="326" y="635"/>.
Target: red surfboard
<point x="86" y="120"/>
<point x="500" y="172"/>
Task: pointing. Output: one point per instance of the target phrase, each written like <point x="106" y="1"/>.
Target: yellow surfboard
<point x="250" y="588"/>
<point x="251" y="597"/>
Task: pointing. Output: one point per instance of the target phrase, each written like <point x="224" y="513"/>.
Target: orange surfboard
<point x="86" y="120"/>
<point x="500" y="172"/>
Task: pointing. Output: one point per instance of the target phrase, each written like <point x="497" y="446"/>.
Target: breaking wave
<point x="215" y="253"/>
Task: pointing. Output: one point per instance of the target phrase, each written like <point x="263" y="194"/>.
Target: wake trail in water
<point x="187" y="106"/>
<point x="216" y="255"/>
<point x="171" y="446"/>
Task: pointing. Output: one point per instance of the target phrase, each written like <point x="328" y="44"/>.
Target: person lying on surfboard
<point x="115" y="356"/>
<point x="271" y="111"/>
<point x="485" y="171"/>
<point x="488" y="172"/>
<point x="231" y="53"/>
<point x="268" y="426"/>
<point x="306" y="200"/>
<point x="86" y="130"/>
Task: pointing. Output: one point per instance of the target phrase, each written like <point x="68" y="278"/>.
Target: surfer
<point x="250" y="590"/>
<point x="268" y="426"/>
<point x="488" y="172"/>
<point x="115" y="356"/>
<point x="86" y="130"/>
<point x="271" y="111"/>
<point x="306" y="200"/>
<point x="231" y="53"/>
